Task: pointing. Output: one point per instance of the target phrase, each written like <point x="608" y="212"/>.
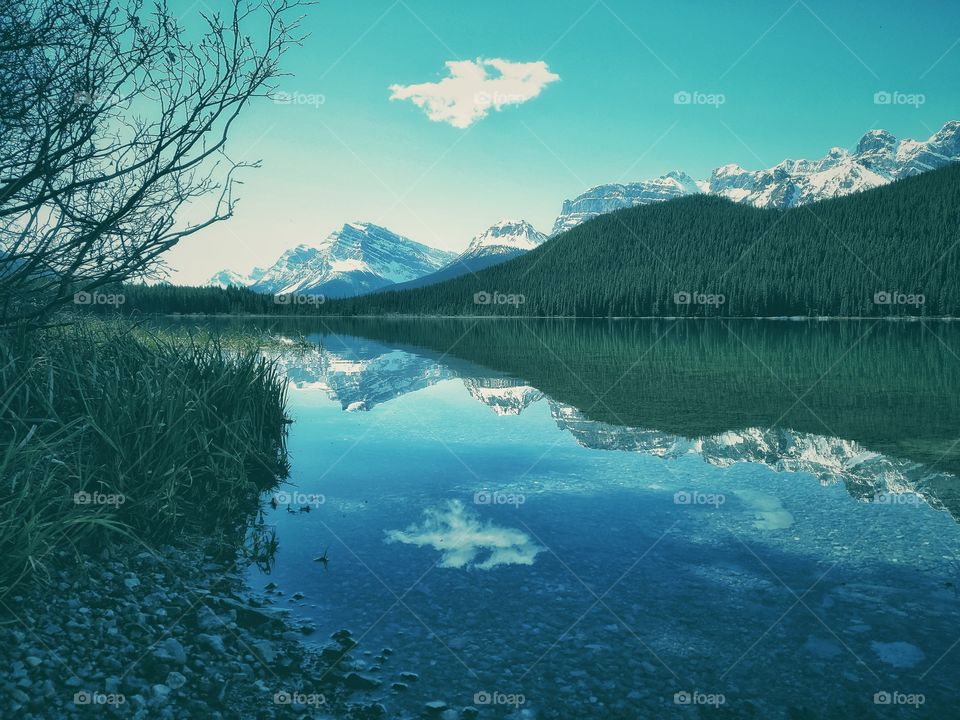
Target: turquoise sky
<point x="796" y="78"/>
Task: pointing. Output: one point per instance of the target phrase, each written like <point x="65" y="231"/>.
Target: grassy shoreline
<point x="118" y="433"/>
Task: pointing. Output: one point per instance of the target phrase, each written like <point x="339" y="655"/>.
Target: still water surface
<point x="630" y="520"/>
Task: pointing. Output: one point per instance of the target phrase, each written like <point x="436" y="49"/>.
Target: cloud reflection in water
<point x="461" y="536"/>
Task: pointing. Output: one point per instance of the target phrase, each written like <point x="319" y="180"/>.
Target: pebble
<point x="107" y="635"/>
<point x="356" y="681"/>
<point x="214" y="642"/>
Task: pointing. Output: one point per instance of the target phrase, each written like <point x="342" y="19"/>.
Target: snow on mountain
<point x="505" y="238"/>
<point x="504" y="241"/>
<point x="358" y="373"/>
<point x="503" y="395"/>
<point x="229" y="278"/>
<point x="358" y="258"/>
<point x="878" y="159"/>
<point x="607" y="198"/>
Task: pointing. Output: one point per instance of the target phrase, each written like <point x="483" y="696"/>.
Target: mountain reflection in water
<point x="891" y="464"/>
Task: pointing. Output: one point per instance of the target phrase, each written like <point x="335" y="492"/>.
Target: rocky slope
<point x="607" y="198"/>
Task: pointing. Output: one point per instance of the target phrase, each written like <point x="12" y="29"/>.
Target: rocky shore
<point x="171" y="634"/>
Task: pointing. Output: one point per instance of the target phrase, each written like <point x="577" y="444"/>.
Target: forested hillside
<point x="892" y="250"/>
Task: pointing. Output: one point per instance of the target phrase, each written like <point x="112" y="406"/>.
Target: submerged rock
<point x="898" y="654"/>
<point x="357" y="681"/>
<point x="175" y="680"/>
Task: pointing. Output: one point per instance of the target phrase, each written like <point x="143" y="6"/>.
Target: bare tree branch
<point x="114" y="120"/>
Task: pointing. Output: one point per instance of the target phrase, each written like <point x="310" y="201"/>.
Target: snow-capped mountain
<point x="229" y="278"/>
<point x="504" y="241"/>
<point x="358" y="373"/>
<point x="507" y="237"/>
<point x="504" y="395"/>
<point x="361" y="374"/>
<point x="879" y="158"/>
<point x="607" y="198"/>
<point x="359" y="258"/>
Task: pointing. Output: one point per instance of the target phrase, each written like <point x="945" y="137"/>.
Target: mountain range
<point x="363" y="257"/>
<point x="879" y="158"/>
<point x="887" y="251"/>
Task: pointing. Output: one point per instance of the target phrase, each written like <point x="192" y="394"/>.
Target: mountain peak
<point x="875" y="140"/>
<point x="946" y="140"/>
<point x="505" y="236"/>
<point x="678" y="175"/>
<point x="360" y="257"/>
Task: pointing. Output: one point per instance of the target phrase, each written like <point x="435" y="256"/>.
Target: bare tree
<point x="113" y="121"/>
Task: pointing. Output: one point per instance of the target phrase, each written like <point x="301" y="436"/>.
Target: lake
<point x="627" y="519"/>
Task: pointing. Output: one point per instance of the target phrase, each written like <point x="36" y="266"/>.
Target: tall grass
<point x="111" y="430"/>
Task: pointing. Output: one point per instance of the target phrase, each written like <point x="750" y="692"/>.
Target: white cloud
<point x="476" y="87"/>
<point x="460" y="536"/>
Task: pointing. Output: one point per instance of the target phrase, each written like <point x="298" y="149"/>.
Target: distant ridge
<point x="878" y="159"/>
